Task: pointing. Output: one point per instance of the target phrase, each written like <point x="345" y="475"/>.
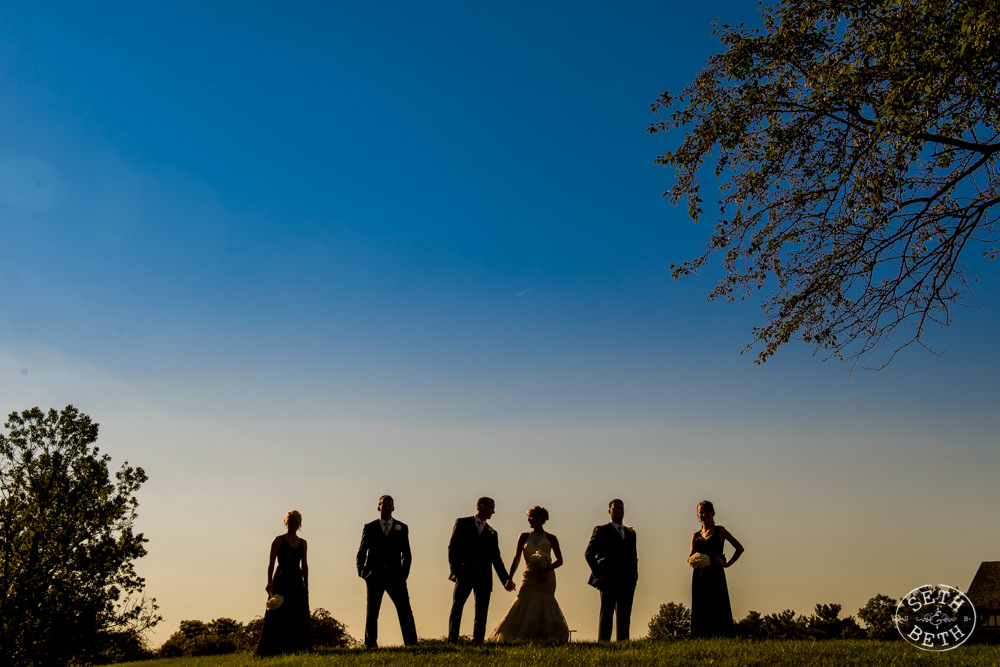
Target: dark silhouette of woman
<point x="535" y="614"/>
<point x="286" y="622"/>
<point x="711" y="613"/>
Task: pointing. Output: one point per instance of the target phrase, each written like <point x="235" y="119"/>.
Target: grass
<point x="716" y="653"/>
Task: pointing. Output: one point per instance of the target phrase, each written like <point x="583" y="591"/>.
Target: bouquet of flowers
<point x="537" y="562"/>
<point x="274" y="602"/>
<point x="698" y="561"/>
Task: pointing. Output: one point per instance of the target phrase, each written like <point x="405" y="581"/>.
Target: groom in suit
<point x="384" y="563"/>
<point x="614" y="568"/>
<point x="474" y="548"/>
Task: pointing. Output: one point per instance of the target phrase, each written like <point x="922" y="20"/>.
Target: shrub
<point x="225" y="635"/>
<point x="672" y="621"/>
<point x="826" y="623"/>
<point x="878" y="615"/>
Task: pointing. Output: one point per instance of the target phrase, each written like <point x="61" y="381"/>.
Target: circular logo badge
<point x="935" y="618"/>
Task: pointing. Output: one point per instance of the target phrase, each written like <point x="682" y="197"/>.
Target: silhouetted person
<point x="473" y="549"/>
<point x="711" y="613"/>
<point x="614" y="571"/>
<point x="384" y="563"/>
<point x="287" y="627"/>
<point x="535" y="614"/>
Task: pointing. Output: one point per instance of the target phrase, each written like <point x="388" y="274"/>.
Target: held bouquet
<point x="274" y="602"/>
<point x="537" y="562"/>
<point x="699" y="561"/>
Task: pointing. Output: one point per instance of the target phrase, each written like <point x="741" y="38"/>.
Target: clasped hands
<point x="509" y="585"/>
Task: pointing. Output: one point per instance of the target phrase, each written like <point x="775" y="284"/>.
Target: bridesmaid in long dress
<point x="711" y="613"/>
<point x="287" y="626"/>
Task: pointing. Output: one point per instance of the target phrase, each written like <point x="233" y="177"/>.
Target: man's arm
<point x="363" y="551"/>
<point x="454" y="550"/>
<point x="594" y="552"/>
<point x="498" y="561"/>
<point x="407" y="556"/>
<point x="499" y="567"/>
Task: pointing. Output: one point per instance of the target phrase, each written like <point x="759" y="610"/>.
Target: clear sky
<point x="297" y="257"/>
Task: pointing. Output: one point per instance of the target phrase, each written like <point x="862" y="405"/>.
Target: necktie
<point x="385" y="528"/>
<point x="621" y="531"/>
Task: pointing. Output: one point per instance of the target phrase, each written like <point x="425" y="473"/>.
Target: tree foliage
<point x="225" y="635"/>
<point x="672" y="621"/>
<point x="878" y="615"/>
<point x="193" y="638"/>
<point x="856" y="144"/>
<point x="825" y="623"/>
<point x="68" y="587"/>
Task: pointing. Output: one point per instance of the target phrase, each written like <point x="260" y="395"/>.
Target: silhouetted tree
<point x="784" y="625"/>
<point x="825" y="623"/>
<point x="225" y="635"/>
<point x="750" y="626"/>
<point x="218" y="637"/>
<point x="856" y="142"/>
<point x="672" y="621"/>
<point x="328" y="631"/>
<point x="878" y="615"/>
<point x="68" y="587"/>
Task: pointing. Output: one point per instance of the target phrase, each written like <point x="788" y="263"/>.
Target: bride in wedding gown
<point x="535" y="614"/>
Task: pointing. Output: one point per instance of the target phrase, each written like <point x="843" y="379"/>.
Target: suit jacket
<point x="382" y="555"/>
<point x="470" y="554"/>
<point x="613" y="561"/>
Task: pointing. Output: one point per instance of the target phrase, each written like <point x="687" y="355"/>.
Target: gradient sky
<point x="301" y="256"/>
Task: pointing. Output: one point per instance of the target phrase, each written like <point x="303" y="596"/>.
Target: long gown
<point x="711" y="613"/>
<point x="535" y="614"/>
<point x="287" y="629"/>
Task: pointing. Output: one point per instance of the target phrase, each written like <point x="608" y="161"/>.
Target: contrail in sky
<point x="522" y="292"/>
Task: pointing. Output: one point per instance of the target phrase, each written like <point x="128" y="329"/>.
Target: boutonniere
<point x="630" y="529"/>
<point x="397" y="527"/>
<point x="492" y="532"/>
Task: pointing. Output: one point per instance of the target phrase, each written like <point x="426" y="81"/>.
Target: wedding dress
<point x="535" y="614"/>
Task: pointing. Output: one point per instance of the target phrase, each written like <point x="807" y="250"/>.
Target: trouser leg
<point x="624" y="611"/>
<point x="607" y="615"/>
<point x="482" y="611"/>
<point x="375" y="589"/>
<point x="458" y="598"/>
<point x="401" y="598"/>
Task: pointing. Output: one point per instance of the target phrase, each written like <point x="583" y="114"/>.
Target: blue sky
<point x="300" y="257"/>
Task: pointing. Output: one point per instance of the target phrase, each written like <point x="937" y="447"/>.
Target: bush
<point x="328" y="631"/>
<point x="878" y="615"/>
<point x="225" y="635"/>
<point x="193" y="638"/>
<point x="751" y="626"/>
<point x="120" y="646"/>
<point x="672" y="621"/>
<point x="826" y="623"/>
<point x="784" y="625"/>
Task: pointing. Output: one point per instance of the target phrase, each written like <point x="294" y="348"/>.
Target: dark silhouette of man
<point x="614" y="570"/>
<point x="473" y="549"/>
<point x="384" y="563"/>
